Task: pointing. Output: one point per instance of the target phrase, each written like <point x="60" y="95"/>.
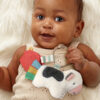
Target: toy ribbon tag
<point x="32" y="70"/>
<point x="46" y="59"/>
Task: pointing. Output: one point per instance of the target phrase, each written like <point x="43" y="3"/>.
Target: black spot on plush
<point x="52" y="72"/>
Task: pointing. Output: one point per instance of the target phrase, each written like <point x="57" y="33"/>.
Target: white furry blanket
<point x="15" y="21"/>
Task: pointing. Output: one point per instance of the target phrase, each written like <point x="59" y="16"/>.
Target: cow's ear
<point x="70" y="76"/>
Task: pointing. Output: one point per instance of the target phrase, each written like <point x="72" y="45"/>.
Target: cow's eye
<point x="74" y="83"/>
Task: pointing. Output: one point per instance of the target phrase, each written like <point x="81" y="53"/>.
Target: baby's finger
<point x="73" y="54"/>
<point x="71" y="48"/>
<point x="73" y="60"/>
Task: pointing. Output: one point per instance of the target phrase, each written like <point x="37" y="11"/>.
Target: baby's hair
<point x="79" y="8"/>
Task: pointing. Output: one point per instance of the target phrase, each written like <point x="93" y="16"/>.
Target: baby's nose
<point x="48" y="24"/>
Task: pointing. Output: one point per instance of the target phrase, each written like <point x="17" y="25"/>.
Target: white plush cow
<point x="59" y="83"/>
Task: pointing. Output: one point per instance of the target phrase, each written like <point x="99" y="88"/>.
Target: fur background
<point x="15" y="21"/>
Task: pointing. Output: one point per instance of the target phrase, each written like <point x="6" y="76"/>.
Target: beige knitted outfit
<point x="23" y="88"/>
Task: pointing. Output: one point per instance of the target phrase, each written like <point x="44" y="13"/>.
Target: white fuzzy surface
<point x="15" y="21"/>
<point x="91" y="31"/>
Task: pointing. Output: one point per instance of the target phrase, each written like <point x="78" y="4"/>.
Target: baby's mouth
<point x="46" y="36"/>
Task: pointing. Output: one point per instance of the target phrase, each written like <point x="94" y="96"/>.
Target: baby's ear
<point x="79" y="28"/>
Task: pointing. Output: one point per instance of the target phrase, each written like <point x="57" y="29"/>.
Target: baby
<point x="54" y="22"/>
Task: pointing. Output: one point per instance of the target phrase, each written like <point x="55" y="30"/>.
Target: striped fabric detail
<point x="47" y="59"/>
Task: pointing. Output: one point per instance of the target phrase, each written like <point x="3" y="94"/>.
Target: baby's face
<point x="54" y="22"/>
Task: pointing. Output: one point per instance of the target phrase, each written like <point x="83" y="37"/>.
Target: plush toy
<point x="58" y="82"/>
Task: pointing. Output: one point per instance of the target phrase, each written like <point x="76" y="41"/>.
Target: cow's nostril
<point x="76" y="90"/>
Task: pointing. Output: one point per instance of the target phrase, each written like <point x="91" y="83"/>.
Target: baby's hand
<point x="75" y="56"/>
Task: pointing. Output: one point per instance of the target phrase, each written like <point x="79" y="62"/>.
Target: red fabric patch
<point x="27" y="59"/>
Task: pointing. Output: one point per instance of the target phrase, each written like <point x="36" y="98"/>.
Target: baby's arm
<point x="8" y="74"/>
<point x="91" y="67"/>
<point x="86" y="62"/>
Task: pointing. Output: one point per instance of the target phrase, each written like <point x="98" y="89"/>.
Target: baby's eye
<point x="59" y="19"/>
<point x="40" y="17"/>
